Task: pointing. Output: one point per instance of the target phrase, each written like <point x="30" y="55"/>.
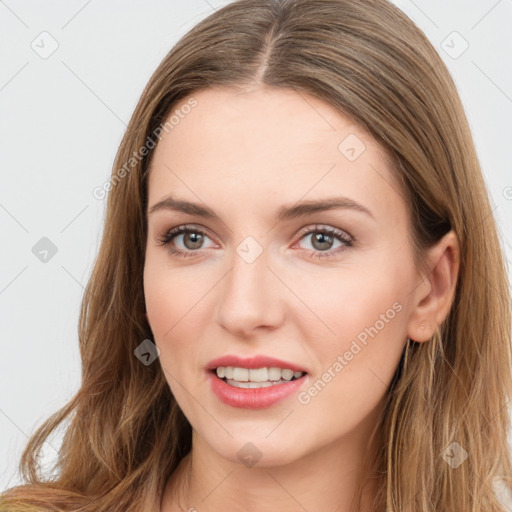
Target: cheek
<point x="353" y="371"/>
<point x="166" y="318"/>
<point x="359" y="331"/>
<point x="164" y="307"/>
<point x="176" y="309"/>
<point x="172" y="295"/>
<point x="343" y="304"/>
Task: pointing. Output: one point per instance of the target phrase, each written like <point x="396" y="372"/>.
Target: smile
<point x="253" y="378"/>
<point x="254" y="388"/>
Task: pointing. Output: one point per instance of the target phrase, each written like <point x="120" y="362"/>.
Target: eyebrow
<point x="284" y="213"/>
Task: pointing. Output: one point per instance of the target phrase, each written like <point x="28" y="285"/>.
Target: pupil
<point x="322" y="236"/>
<point x="195" y="243"/>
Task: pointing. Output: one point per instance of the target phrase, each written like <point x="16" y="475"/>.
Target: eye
<point x="323" y="238"/>
<point x="192" y="239"/>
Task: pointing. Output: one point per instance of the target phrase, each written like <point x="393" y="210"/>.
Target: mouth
<point x="255" y="382"/>
<point x="255" y="378"/>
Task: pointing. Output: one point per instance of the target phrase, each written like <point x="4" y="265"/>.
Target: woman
<point x="300" y="299"/>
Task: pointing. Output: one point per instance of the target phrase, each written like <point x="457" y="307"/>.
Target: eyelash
<point x="166" y="239"/>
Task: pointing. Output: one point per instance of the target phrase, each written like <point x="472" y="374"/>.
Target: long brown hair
<point x="124" y="432"/>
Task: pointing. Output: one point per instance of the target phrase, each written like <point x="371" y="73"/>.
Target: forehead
<point x="255" y="144"/>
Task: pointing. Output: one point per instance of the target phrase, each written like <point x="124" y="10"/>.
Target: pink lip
<point x="253" y="362"/>
<point x="253" y="398"/>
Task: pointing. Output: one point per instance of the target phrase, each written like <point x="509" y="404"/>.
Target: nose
<point x="250" y="297"/>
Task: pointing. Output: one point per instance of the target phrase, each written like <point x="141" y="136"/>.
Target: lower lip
<point x="253" y="398"/>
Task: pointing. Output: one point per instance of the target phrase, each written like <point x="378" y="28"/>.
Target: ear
<point x="433" y="297"/>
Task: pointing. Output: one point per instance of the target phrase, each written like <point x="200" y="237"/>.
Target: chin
<point x="258" y="451"/>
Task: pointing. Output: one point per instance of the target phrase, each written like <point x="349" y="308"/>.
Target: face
<point x="267" y="280"/>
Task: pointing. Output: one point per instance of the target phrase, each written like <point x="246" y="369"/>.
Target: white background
<point x="62" y="121"/>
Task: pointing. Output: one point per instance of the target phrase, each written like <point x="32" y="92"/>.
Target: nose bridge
<point x="249" y="296"/>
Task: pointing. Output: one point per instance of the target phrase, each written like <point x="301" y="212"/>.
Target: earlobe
<point x="434" y="300"/>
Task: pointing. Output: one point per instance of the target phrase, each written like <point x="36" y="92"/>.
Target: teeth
<point x="237" y="384"/>
<point x="241" y="374"/>
<point x="263" y="377"/>
<point x="258" y="374"/>
<point x="274" y="373"/>
<point x="287" y="374"/>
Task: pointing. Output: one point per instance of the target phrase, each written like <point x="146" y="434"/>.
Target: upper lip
<point x="258" y="361"/>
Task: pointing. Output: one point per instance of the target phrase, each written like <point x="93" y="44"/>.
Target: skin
<point x="245" y="152"/>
